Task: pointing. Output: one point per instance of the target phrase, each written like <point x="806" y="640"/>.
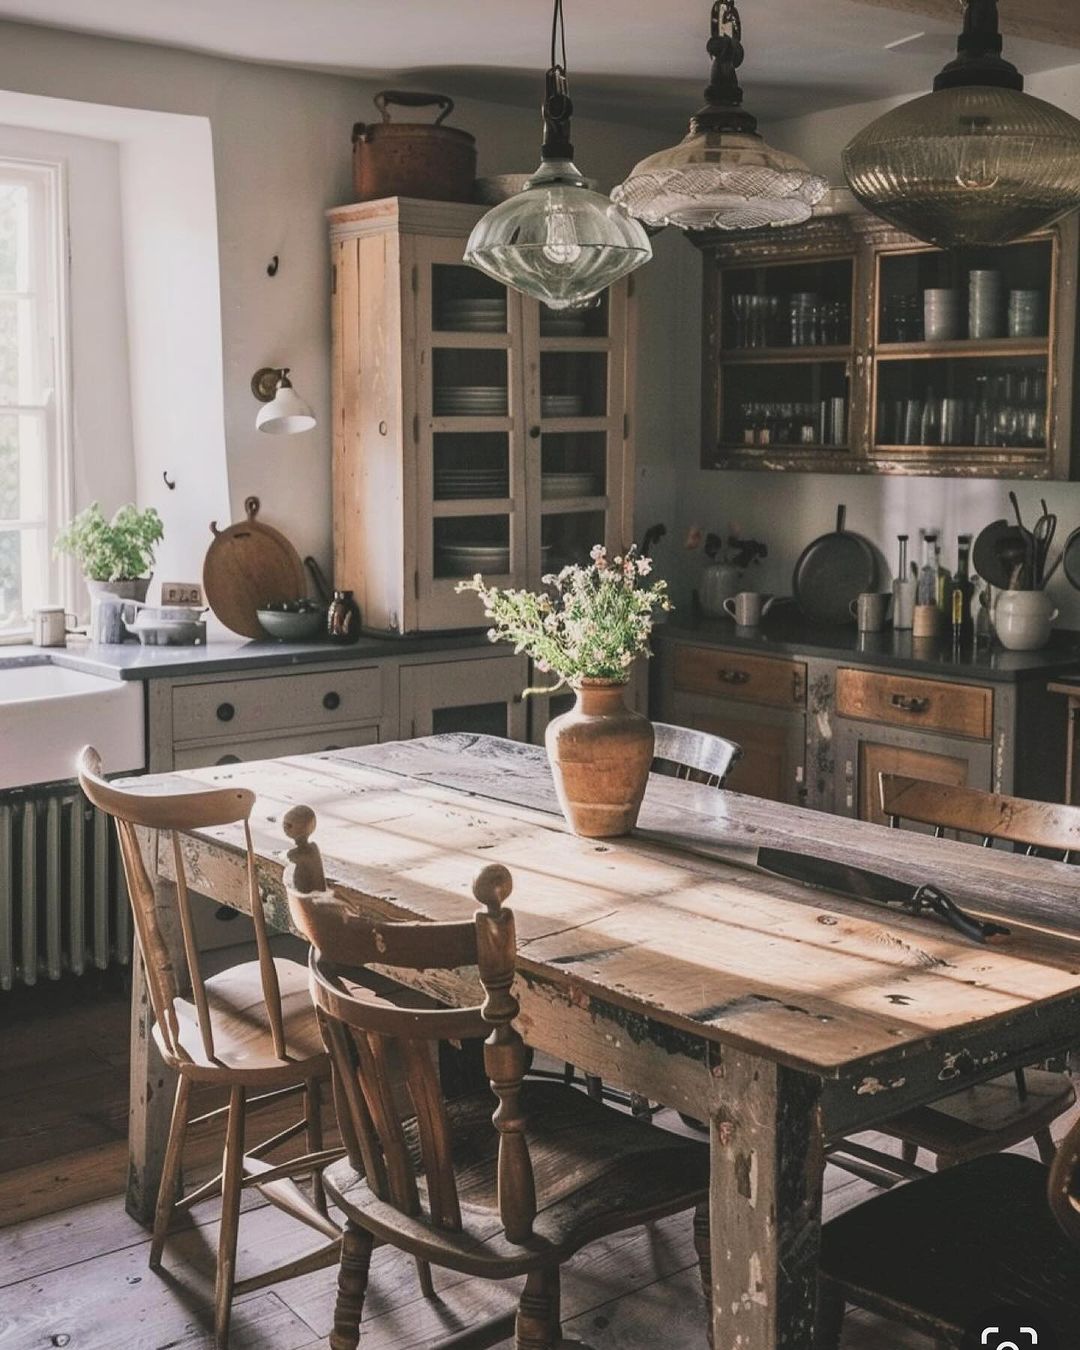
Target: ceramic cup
<point x="747" y="608"/>
<point x="1023" y="619"/>
<point x="48" y="626"/>
<point x="869" y="611"/>
<point x="903" y="614"/>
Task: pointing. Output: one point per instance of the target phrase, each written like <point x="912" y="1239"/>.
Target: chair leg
<point x="1044" y="1142"/>
<point x="909" y="1152"/>
<point x="539" y="1326"/>
<point x="356" y="1248"/>
<point x="830" y="1317"/>
<point x="703" y="1247"/>
<point x="423" y="1274"/>
<point x="314" y="1136"/>
<point x="232" y="1175"/>
<point x="170" y="1173"/>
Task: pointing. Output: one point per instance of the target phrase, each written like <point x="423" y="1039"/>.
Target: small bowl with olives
<point x="293" y="620"/>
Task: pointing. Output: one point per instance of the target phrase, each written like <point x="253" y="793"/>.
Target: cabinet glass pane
<point x="803" y="404"/>
<point x="477" y="719"/>
<point x="801" y="305"/>
<point x="974" y="294"/>
<point x="573" y="384"/>
<point x="465" y="545"/>
<point x="573" y="464"/>
<point x="573" y="323"/>
<point x="978" y="403"/>
<point x="471" y="465"/>
<point x="568" y="538"/>
<point x="470" y="382"/>
<point x="466" y="301"/>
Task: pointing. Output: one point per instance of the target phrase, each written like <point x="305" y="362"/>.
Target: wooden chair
<point x="938" y="1255"/>
<point x="988" y="1117"/>
<point x="495" y="1194"/>
<point x="250" y="1028"/>
<point x="682" y="752"/>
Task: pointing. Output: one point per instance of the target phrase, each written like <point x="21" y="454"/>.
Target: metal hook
<point x="170" y="483"/>
<point x="272" y="266"/>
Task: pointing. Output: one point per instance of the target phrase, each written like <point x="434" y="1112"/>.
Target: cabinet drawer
<point x="275" y="747"/>
<point x="241" y="708"/>
<point x="930" y="705"/>
<point x="731" y="674"/>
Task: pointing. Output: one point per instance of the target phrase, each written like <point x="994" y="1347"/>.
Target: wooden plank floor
<point x="75" y="1273"/>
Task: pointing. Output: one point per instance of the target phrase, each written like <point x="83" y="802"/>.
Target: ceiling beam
<point x="1053" y="21"/>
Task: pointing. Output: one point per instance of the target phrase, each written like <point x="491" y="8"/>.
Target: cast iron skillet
<point x="832" y="571"/>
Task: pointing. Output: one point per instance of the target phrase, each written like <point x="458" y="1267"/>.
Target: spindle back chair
<point x="684" y="752"/>
<point x="248" y="1028"/>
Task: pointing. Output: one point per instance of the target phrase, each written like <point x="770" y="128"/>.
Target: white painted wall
<point x="788" y="510"/>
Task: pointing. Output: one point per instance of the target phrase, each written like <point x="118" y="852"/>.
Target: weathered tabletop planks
<point x="789" y="1016"/>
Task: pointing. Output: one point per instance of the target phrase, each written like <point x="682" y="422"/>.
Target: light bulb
<point x="561" y="246"/>
<point x="974" y="170"/>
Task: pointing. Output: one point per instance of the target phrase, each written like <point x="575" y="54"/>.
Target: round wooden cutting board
<point x="248" y="566"/>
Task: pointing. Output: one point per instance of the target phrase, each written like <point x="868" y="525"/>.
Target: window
<point x="34" y="478"/>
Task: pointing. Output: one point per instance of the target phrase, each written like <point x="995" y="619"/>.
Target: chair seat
<point x="594" y="1167"/>
<point x="956" y="1244"/>
<point x="986" y="1118"/>
<point x="243" y="1041"/>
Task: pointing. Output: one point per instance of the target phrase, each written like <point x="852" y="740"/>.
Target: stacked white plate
<point x="561" y="485"/>
<point x="475" y="400"/>
<point x="466" y="559"/>
<point x="459" y="483"/>
<point x="473" y="315"/>
<point x="562" y="405"/>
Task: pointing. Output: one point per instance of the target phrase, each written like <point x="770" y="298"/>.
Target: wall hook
<point x="272" y="266"/>
<point x="170" y="483"/>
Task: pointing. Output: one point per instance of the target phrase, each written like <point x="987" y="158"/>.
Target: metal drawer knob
<point x="907" y="703"/>
<point x="228" y="759"/>
<point x="225" y="712"/>
<point x="331" y="701"/>
<point x="733" y="676"/>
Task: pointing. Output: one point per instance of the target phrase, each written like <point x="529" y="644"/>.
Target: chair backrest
<point x="158" y="814"/>
<point x="1036" y="826"/>
<point x="682" y="752"/>
<point x="1064" y="1185"/>
<point x="368" y="1027"/>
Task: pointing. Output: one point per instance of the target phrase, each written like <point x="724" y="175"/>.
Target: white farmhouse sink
<point x="47" y="714"/>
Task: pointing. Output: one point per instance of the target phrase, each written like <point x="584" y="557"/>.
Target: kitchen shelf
<point x="767" y="356"/>
<point x="964" y="349"/>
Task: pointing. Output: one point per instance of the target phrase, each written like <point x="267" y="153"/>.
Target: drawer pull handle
<point x="733" y="676"/>
<point x="331" y="701"/>
<point x="907" y="703"/>
<point x="225" y="712"/>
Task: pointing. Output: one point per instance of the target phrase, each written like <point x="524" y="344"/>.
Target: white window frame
<point x="48" y="181"/>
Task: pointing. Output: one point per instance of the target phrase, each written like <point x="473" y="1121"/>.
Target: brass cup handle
<point x="907" y="703"/>
<point x="733" y="676"/>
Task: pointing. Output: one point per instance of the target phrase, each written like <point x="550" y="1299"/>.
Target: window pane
<point x="24" y="575"/>
<point x="14" y="237"/>
<point x="20" y="378"/>
<point x="22" y="467"/>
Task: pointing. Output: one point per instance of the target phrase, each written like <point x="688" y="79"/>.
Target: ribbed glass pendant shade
<point x="722" y="175"/>
<point x="557" y="240"/>
<point x="978" y="161"/>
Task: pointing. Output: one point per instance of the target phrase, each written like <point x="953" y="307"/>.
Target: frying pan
<point x="992" y="547"/>
<point x="832" y="571"/>
<point x="1070" y="559"/>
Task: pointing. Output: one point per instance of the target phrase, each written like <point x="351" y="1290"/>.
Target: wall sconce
<point x="285" y="412"/>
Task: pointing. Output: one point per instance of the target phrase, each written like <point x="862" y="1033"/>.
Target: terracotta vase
<point x="600" y="753"/>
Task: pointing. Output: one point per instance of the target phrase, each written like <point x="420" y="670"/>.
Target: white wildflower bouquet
<point x="591" y="623"/>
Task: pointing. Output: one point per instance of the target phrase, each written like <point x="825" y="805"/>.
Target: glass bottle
<point x="942" y="583"/>
<point x="926" y="588"/>
<point x="963" y="621"/>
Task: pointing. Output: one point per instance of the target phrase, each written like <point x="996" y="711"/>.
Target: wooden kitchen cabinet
<point x="864" y="753"/>
<point x="474" y="430"/>
<point x="483" y="696"/>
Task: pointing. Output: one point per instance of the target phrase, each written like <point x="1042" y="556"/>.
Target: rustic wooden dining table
<point x="788" y="1017"/>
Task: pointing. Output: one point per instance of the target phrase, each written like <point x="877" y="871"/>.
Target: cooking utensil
<point x="832" y="571"/>
<point x="323" y="588"/>
<point x="1045" y="529"/>
<point x="1016" y="509"/>
<point x="1070" y="559"/>
<point x="413" y="159"/>
<point x="997" y="550"/>
<point x="248" y="566"/>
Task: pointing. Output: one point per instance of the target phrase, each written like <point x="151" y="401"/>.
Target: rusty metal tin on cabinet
<point x="413" y="159"/>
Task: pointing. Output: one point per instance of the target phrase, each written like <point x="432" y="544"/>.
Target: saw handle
<point x="978" y="930"/>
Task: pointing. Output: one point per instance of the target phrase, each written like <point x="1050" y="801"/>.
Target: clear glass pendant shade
<point x="970" y="165"/>
<point x="557" y="240"/>
<point x="721" y="180"/>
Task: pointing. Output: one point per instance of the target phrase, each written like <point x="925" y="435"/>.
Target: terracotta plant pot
<point x="600" y="753"/>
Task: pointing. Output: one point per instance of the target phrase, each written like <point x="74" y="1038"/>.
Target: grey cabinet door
<point x="773" y="742"/>
<point x="482" y="696"/>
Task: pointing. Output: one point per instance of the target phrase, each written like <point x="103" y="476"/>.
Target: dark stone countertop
<point x="788" y="634"/>
<point x="131" y="661"/>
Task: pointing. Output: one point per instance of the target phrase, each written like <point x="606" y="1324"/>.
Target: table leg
<point x="768" y="1166"/>
<point x="153" y="1083"/>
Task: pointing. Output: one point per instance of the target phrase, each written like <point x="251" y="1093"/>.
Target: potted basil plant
<point x="116" y="557"/>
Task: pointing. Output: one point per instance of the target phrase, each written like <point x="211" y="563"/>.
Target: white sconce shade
<point x="284" y="412"/>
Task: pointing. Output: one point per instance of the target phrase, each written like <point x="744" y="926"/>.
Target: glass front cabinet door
<point x="475" y="431"/>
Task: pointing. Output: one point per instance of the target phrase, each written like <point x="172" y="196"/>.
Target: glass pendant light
<point x="557" y="240"/>
<point x="978" y="161"/>
<point x="722" y="175"/>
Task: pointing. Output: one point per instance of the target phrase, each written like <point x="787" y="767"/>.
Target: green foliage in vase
<point x="590" y="623"/>
<point x="118" y="550"/>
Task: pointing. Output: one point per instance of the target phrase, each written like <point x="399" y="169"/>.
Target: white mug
<point x="748" y="608"/>
<point x="869" y="610"/>
<point x="48" y="626"/>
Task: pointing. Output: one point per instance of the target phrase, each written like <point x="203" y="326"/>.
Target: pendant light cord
<point x="558" y="31"/>
<point x="558" y="108"/>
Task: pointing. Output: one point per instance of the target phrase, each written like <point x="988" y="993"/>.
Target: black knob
<point x="331" y="701"/>
<point x="229" y="759"/>
<point x="534" y="432"/>
<point x="226" y="712"/>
